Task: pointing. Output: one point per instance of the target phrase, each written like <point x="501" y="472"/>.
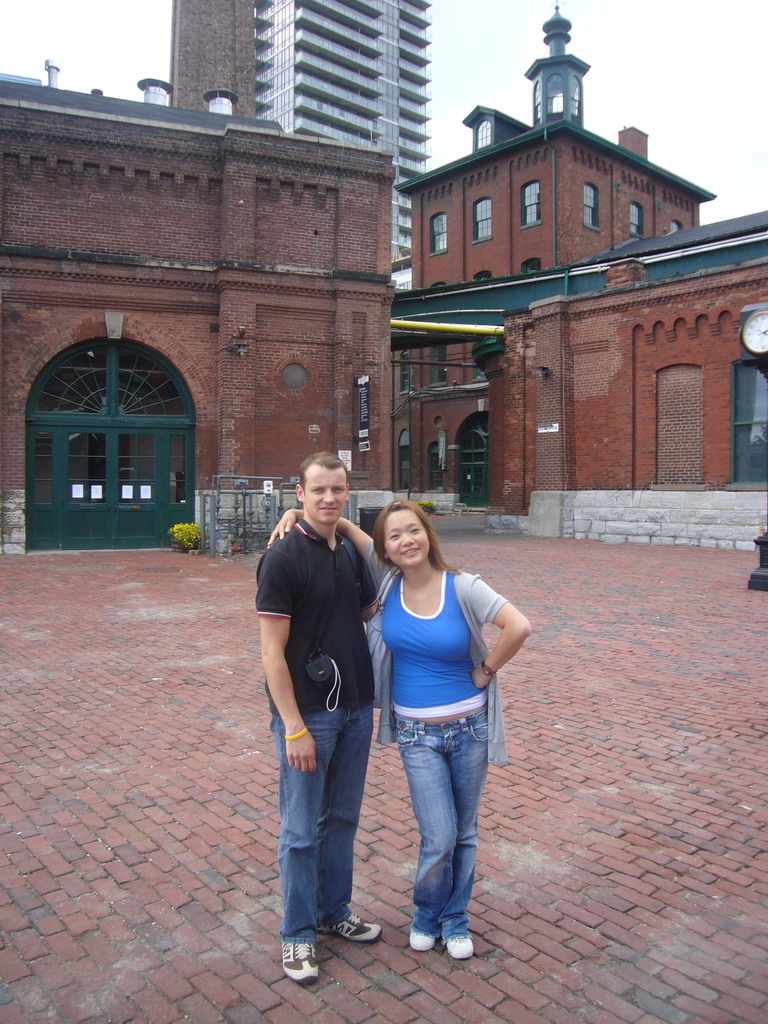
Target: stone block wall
<point x="696" y="518"/>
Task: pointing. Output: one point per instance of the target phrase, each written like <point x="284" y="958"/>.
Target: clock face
<point x="754" y="333"/>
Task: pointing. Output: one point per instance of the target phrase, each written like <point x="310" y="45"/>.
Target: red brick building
<point x="547" y="195"/>
<point x="615" y="406"/>
<point x="618" y="405"/>
<point x="185" y="295"/>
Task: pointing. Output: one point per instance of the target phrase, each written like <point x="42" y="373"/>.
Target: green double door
<point x="110" y="448"/>
<point x="473" y="461"/>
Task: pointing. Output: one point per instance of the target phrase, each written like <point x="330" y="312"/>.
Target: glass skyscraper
<point x="353" y="70"/>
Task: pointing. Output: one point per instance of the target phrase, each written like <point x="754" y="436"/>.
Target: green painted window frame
<point x="530" y="203"/>
<point x="591" y="205"/>
<point x="749" y="414"/>
<point x="636" y="220"/>
<point x="482" y="219"/>
<point x="438" y="233"/>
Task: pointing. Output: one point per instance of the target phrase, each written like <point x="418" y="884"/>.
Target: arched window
<point x="749" y="425"/>
<point x="537" y="102"/>
<point x="531" y="203"/>
<point x="636" y="220"/>
<point x="531" y="265"/>
<point x="481" y="220"/>
<point x="483" y="134"/>
<point x="110" y="437"/>
<point x="482" y="275"/>
<point x="591" y="212"/>
<point x="675" y="226"/>
<point x="404" y="461"/>
<point x="575" y="99"/>
<point x="554" y="95"/>
<point x="438" y="233"/>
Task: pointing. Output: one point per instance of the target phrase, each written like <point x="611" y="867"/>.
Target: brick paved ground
<point x="623" y="870"/>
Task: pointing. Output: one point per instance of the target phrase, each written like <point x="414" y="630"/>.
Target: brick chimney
<point x="635" y="141"/>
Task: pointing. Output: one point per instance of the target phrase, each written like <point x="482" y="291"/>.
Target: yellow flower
<point x="187" y="534"/>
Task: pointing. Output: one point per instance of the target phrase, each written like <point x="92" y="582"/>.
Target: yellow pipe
<point x="415" y="325"/>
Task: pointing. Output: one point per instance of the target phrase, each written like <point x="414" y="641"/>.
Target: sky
<point x="691" y="75"/>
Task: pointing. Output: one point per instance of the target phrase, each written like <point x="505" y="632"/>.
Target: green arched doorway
<point x="110" y="450"/>
<point x="473" y="461"/>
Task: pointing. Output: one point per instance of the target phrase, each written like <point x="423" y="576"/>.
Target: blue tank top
<point x="430" y="654"/>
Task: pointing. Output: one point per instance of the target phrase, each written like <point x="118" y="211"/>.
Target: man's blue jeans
<point x="319" y="812"/>
<point x="446" y="767"/>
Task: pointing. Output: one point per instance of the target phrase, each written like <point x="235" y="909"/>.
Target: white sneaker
<point x="460" y="947"/>
<point x="421" y="942"/>
<point x="300" y="962"/>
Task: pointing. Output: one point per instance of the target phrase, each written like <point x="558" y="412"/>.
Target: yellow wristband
<point x="298" y="735"/>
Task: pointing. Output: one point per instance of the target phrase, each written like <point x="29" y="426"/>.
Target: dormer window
<point x="555" y="94"/>
<point x="483" y="135"/>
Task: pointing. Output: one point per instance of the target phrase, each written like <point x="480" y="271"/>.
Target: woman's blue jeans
<point x="446" y="767"/>
<point x="319" y="812"/>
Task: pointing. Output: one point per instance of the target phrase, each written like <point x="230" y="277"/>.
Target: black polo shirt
<point x="323" y="594"/>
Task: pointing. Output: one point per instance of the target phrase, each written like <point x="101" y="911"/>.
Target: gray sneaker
<point x="300" y="962"/>
<point x="354" y="929"/>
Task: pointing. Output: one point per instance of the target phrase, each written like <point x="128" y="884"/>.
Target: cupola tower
<point x="558" y="89"/>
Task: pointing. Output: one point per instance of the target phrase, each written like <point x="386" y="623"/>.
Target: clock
<point x="754" y="332"/>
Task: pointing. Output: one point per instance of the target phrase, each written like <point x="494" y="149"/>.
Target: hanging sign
<point x="364" y="385"/>
<point x="442" y="446"/>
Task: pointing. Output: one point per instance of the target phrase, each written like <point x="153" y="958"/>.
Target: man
<point x="311" y="601"/>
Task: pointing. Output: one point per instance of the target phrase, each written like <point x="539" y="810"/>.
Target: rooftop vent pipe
<point x="155" y="91"/>
<point x="220" y="101"/>
<point x="53" y="74"/>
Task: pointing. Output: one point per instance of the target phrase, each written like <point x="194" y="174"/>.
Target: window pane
<point x="438" y="232"/>
<point x="146" y="389"/>
<point x="43" y="468"/>
<point x="590" y="205"/>
<point x="87" y="469"/>
<point x="531" y="202"/>
<point x="555" y="94"/>
<point x="79" y="385"/>
<point x="404" y="461"/>
<point x="635" y="219"/>
<point x="178" y="468"/>
<point x="438" y="372"/>
<point x="750" y="426"/>
<point x="482" y="219"/>
<point x="405" y="371"/>
<point x="136" y="468"/>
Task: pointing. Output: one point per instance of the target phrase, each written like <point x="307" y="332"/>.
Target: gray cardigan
<point x="479" y="604"/>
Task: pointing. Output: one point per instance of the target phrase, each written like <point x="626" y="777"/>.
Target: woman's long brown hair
<point x="380" y="531"/>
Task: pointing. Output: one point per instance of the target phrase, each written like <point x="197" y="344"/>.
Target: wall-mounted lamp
<point x="543" y="371"/>
<point x="238" y="344"/>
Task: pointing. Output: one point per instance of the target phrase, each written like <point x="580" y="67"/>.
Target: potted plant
<point x="185" y="537"/>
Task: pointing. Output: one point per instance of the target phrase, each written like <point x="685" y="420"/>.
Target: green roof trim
<point x="543" y="133"/>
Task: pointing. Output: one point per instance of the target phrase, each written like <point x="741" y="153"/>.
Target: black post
<point x="759" y="578"/>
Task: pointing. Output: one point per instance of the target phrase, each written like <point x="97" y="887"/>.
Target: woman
<point x="441" y="703"/>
